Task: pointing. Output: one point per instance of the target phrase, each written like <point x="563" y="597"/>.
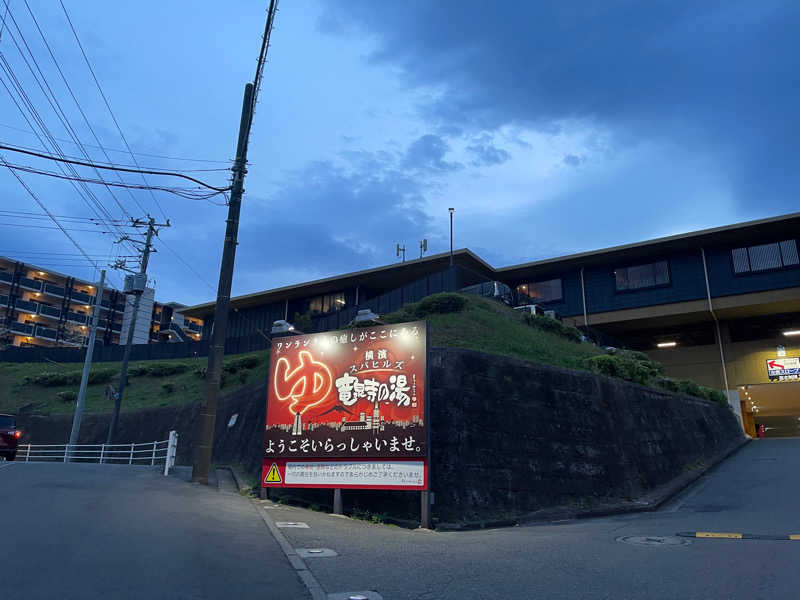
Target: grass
<point x="142" y="391"/>
<point x="492" y="327"/>
<point x="456" y="321"/>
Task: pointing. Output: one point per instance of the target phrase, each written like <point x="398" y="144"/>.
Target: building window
<point x="328" y="303"/>
<point x="543" y="291"/>
<point x="765" y="257"/>
<point x="642" y="276"/>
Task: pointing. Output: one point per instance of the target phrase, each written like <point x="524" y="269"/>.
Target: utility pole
<point x="204" y="436"/>
<point x="137" y="288"/>
<point x="452" y="210"/>
<point x="87" y="366"/>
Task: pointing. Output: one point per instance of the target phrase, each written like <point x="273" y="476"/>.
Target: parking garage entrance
<point x="771" y="409"/>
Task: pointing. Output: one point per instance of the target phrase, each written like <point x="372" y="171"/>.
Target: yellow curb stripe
<point x="795" y="536"/>
<point x="712" y="534"/>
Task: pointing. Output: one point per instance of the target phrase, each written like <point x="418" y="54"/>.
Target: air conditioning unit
<point x="135" y="284"/>
<point x="552" y="314"/>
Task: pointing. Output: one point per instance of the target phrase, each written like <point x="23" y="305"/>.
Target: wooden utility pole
<point x="204" y="436"/>
<point x="140" y="280"/>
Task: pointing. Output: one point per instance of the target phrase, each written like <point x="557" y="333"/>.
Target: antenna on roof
<point x="423" y="247"/>
<point x="399" y="250"/>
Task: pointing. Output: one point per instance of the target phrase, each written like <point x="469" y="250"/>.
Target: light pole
<point x="452" y="210"/>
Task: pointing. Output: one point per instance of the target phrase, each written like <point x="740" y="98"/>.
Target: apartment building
<point x="39" y="307"/>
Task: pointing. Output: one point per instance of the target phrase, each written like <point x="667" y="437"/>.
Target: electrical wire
<point x="187" y="265"/>
<point x="141" y="154"/>
<point x="188" y="193"/>
<point x="108" y="106"/>
<point x="114" y="168"/>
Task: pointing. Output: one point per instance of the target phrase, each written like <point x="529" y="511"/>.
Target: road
<point x="163" y="538"/>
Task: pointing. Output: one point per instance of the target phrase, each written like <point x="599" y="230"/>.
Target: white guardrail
<point x="147" y="452"/>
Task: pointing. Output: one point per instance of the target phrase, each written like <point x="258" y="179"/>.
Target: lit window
<point x="550" y="290"/>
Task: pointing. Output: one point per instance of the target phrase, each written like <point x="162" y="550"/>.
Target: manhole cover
<point x="653" y="540"/>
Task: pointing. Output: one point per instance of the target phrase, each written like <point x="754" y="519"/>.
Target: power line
<point x="142" y="154"/>
<point x="113" y="168"/>
<point x="187" y="265"/>
<point x="188" y="193"/>
<point x="51" y="97"/>
<point x="44" y="208"/>
<point x="108" y="106"/>
<point x="77" y="104"/>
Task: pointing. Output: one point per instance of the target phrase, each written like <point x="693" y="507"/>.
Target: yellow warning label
<point x="713" y="534"/>
<point x="274" y="475"/>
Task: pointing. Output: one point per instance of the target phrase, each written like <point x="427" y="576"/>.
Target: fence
<point x="144" y="453"/>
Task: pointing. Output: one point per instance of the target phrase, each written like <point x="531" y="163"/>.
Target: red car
<point x="9" y="437"/>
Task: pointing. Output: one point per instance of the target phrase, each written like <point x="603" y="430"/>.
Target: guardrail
<point x="144" y="453"/>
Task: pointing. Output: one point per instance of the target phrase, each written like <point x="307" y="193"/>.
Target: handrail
<point x="154" y="452"/>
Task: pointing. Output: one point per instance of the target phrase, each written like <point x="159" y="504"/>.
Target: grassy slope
<point x="141" y="392"/>
<point x="484" y="325"/>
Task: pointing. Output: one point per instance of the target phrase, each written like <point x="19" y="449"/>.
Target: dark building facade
<point x="715" y="305"/>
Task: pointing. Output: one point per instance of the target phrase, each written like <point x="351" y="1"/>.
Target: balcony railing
<point x="3" y="300"/>
<point x="50" y="311"/>
<point x="76" y="318"/>
<point x="194" y="326"/>
<point x="81" y="297"/>
<point x="26" y="306"/>
<point x="45" y="333"/>
<point x="21" y="328"/>
<point x="116" y="327"/>
<point x="54" y="290"/>
<point x="31" y="284"/>
<point x="6" y="277"/>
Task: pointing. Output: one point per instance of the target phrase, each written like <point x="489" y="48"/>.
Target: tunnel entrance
<point x="771" y="409"/>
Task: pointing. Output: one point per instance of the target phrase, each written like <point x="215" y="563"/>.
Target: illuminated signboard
<point x="783" y="369"/>
<point x="348" y="409"/>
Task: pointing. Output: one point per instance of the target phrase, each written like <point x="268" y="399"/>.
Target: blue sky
<point x="551" y="128"/>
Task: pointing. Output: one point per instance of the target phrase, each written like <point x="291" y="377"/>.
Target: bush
<point x="168" y="387"/>
<point x="621" y="367"/>
<point x="53" y="379"/>
<point x="68" y="396"/>
<point x="102" y="375"/>
<point x="713" y="395"/>
<point x="302" y="322"/>
<point x="440" y="304"/>
<point x="241" y="363"/>
<point x="162" y="369"/>
<point x="553" y="326"/>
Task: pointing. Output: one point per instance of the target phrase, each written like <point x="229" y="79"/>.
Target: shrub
<point x="554" y="326"/>
<point x="68" y="396"/>
<point x="302" y="322"/>
<point x="168" y="386"/>
<point x="242" y="377"/>
<point x="241" y="363"/>
<point x="440" y="304"/>
<point x="713" y="395"/>
<point x="53" y="379"/>
<point x="162" y="369"/>
<point x="620" y="367"/>
<point x="102" y="375"/>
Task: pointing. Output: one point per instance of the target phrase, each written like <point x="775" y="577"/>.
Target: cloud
<point x="708" y="77"/>
<point x="487" y="155"/>
<point x="426" y="154"/>
<point x="573" y="160"/>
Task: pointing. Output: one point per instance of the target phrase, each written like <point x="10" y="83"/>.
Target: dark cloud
<point x="427" y="154"/>
<point x="710" y="77"/>
<point x="487" y="155"/>
<point x="573" y="160"/>
<point x="332" y="218"/>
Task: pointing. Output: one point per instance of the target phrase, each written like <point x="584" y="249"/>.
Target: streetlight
<point x="452" y="210"/>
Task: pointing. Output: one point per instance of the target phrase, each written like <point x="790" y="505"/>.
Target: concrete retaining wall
<point x="507" y="435"/>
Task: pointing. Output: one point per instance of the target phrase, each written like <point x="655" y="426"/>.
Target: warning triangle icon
<point x="274" y="475"/>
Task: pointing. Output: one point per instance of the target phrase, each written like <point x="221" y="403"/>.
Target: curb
<point x="739" y="536"/>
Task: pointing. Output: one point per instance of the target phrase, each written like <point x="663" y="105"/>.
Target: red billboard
<point x="351" y="394"/>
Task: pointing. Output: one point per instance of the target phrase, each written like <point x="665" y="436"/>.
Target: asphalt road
<point x="89" y="531"/>
<point x="83" y="531"/>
